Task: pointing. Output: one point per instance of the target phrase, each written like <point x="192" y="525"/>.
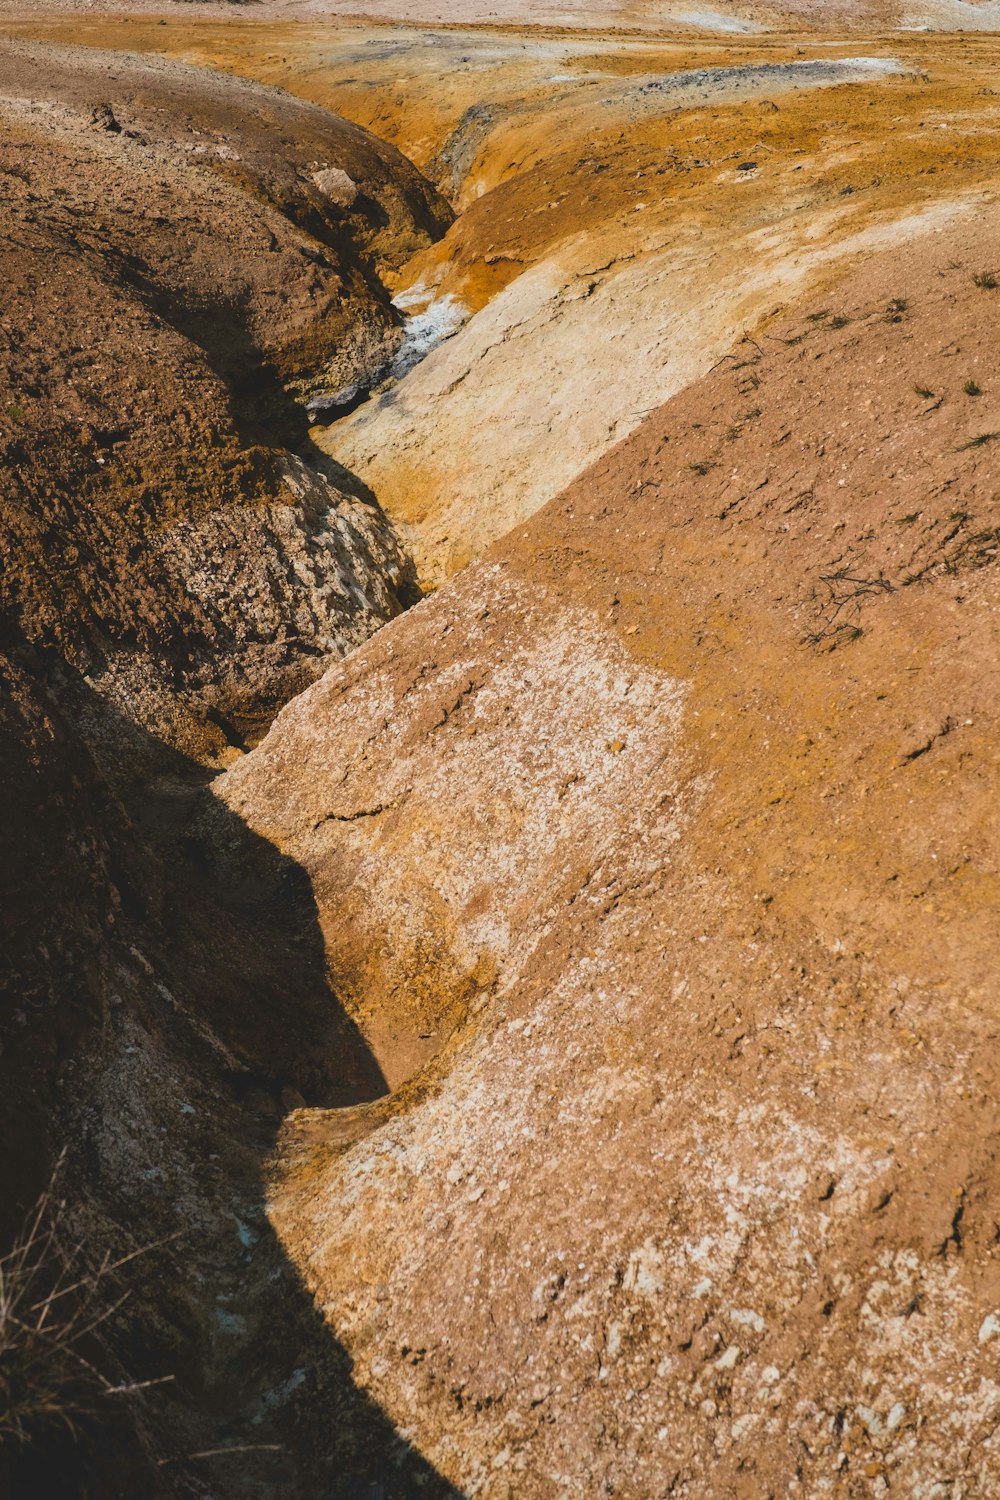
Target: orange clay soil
<point x="610" y="242"/>
<point x="617" y="264"/>
<point x="692" y="779"/>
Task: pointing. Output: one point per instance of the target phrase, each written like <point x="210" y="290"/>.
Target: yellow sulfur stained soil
<point x="621" y="221"/>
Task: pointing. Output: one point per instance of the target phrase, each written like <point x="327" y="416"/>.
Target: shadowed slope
<point x="166" y="1000"/>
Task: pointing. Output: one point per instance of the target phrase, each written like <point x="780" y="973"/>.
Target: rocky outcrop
<point x="674" y="820"/>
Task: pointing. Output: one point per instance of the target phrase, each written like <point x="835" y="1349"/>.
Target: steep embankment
<point x="184" y="257"/>
<point x="690" y="784"/>
<point x="652" y="865"/>
<point x="175" y="271"/>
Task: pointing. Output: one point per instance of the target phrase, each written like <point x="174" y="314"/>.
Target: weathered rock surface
<point x="145" y="982"/>
<point x="337" y="187"/>
<point x="675" y="819"/>
<point x="168" y="285"/>
<point x="609" y="244"/>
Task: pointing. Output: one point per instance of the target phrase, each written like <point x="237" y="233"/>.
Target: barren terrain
<point x="499" y="643"/>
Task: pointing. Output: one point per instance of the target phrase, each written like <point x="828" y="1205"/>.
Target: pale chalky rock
<point x="337" y="186"/>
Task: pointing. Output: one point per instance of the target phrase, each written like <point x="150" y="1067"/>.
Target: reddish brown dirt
<point x="653" y="861"/>
<point x="698" y="766"/>
<point x="170" y="282"/>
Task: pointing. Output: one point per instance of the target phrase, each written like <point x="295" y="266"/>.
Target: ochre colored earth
<point x="696" y="770"/>
<point x="541" y="1035"/>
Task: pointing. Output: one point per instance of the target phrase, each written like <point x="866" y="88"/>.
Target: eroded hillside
<point x="174" y="278"/>
<point x="627" y="206"/>
<point x="538" y="1039"/>
<point x="183" y="267"/>
<point x="695" y="775"/>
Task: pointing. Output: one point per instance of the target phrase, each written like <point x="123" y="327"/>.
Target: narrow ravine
<point x="509" y="1023"/>
<point x="178" y="564"/>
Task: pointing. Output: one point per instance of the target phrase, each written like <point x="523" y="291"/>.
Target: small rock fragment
<point x="102" y="117"/>
<point x="989" y="1328"/>
<point x="337" y="187"/>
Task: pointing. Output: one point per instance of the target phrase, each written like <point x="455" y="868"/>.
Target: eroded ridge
<point x="538" y="1040"/>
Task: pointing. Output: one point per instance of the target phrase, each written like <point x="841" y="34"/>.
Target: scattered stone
<point x="747" y="1318"/>
<point x="102" y="117"/>
<point x="896" y="1415"/>
<point x="337" y="187"/>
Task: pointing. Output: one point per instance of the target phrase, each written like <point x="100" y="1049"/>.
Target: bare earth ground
<point x="652" y="16"/>
<point x="692" y="779"/>
<point x="608" y="227"/>
<point x="169" y="270"/>
<point x="649" y="868"/>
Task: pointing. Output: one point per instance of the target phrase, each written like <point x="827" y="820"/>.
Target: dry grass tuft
<point x="54" y="1307"/>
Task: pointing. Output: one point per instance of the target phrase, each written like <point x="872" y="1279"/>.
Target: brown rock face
<point x="168" y="282"/>
<point x="674" y="818"/>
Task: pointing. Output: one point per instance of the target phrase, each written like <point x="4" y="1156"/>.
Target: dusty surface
<point x="145" y="979"/>
<point x="172" y="277"/>
<point x="621" y="266"/>
<point x="628" y="206"/>
<point x="567" y="1042"/>
<point x="725" y="18"/>
<point x="697" y="770"/>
